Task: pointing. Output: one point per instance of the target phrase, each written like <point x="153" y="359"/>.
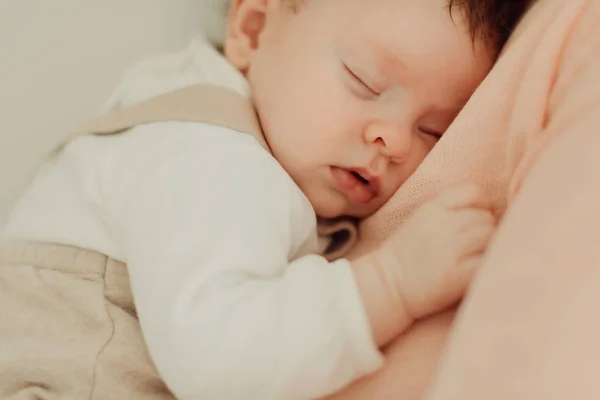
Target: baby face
<point x="353" y="94"/>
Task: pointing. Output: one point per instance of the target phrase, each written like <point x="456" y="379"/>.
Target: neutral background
<point x="61" y="59"/>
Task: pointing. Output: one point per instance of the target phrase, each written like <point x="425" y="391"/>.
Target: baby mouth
<point x="357" y="184"/>
<point x="358" y="176"/>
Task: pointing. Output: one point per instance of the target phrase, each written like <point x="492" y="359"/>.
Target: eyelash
<point x="436" y="135"/>
<point x="362" y="83"/>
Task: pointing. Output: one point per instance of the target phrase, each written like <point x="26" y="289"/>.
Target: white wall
<point x="60" y="59"/>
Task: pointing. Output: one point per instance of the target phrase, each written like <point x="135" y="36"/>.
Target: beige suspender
<point x="210" y="104"/>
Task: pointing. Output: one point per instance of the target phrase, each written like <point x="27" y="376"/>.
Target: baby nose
<point x="393" y="140"/>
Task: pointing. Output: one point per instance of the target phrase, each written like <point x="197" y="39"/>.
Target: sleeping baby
<point x="226" y="296"/>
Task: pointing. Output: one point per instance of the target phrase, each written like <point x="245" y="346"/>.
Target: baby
<point x="219" y="236"/>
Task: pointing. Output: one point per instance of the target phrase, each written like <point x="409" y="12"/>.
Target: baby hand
<point x="431" y="259"/>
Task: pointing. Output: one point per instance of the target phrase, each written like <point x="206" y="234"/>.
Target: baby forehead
<point x="420" y="28"/>
<point x="428" y="22"/>
<point x="410" y="15"/>
<point x="417" y="41"/>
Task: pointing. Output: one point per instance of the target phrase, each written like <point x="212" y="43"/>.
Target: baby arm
<point x="412" y="358"/>
<point x="426" y="266"/>
<point x="206" y="227"/>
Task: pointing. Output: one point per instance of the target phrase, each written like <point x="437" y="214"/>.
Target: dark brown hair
<point x="491" y="20"/>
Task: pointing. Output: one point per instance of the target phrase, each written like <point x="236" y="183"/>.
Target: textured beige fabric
<point x="68" y="328"/>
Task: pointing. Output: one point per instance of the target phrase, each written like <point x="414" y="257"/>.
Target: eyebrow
<point x="385" y="53"/>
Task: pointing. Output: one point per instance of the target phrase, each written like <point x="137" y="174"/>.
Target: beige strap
<point x="210" y="104"/>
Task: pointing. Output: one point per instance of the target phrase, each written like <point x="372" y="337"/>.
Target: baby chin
<point x="333" y="204"/>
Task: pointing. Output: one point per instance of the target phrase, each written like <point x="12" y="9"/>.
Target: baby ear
<point x="246" y="22"/>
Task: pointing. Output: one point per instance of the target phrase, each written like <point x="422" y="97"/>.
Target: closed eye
<point x="358" y="80"/>
<point x="435" y="134"/>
